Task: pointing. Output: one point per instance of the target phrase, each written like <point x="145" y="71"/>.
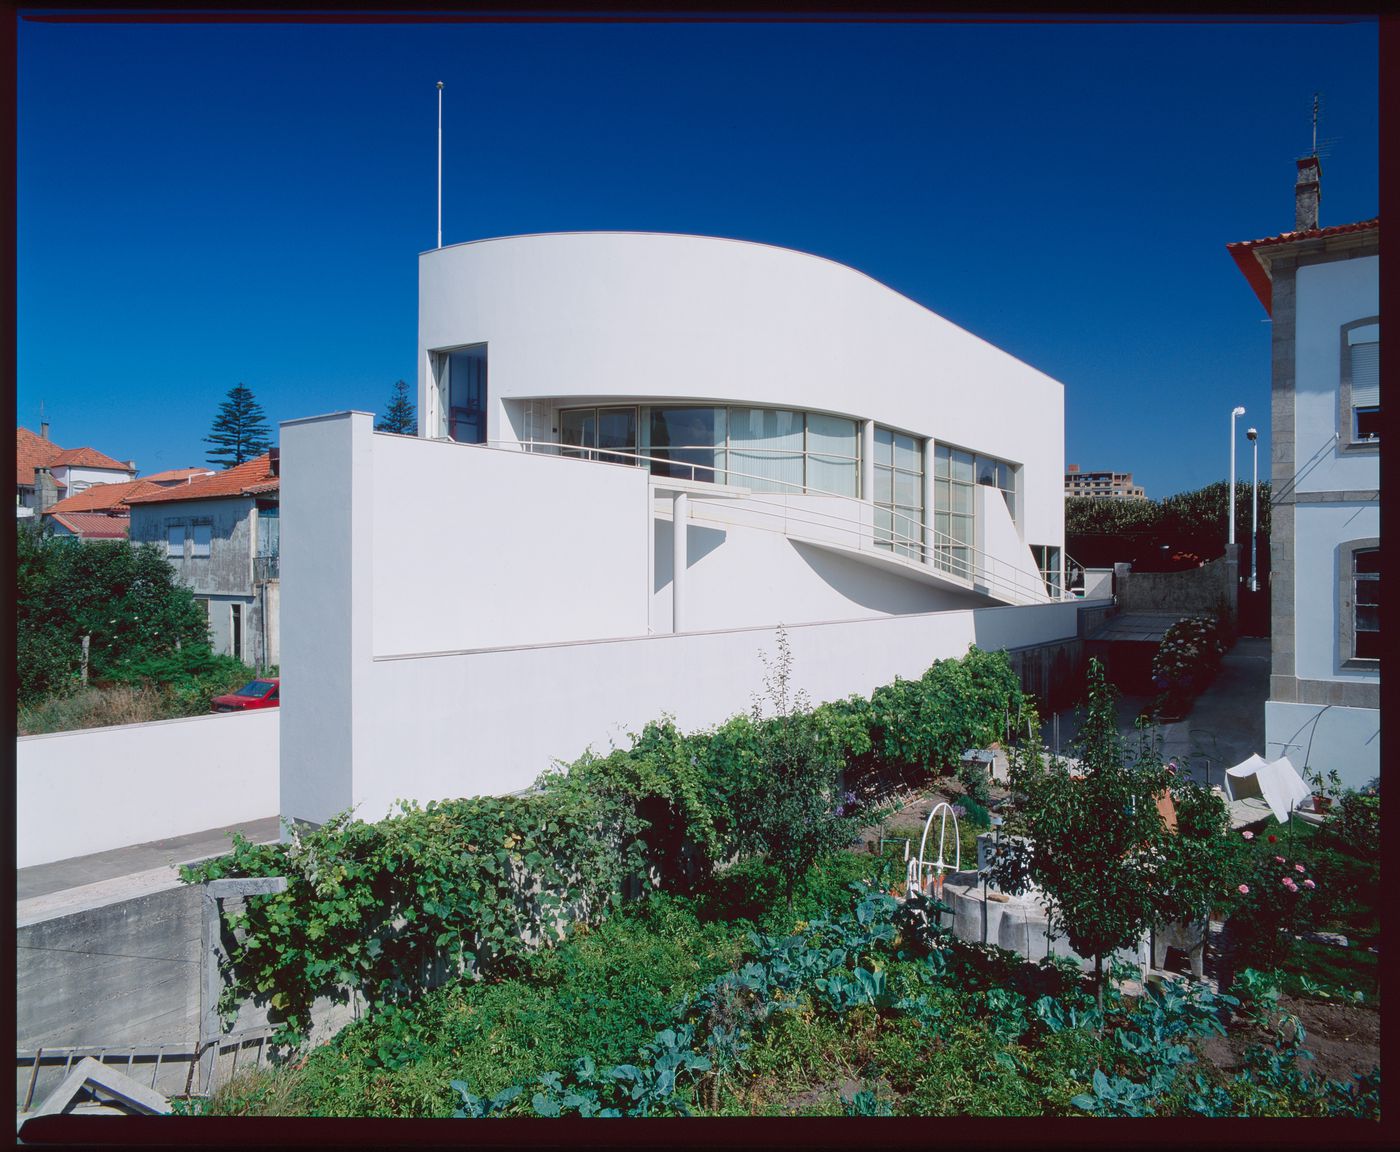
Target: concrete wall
<point x="1328" y="296"/>
<point x="82" y="792"/>
<point x="1325" y="737"/>
<point x="476" y="548"/>
<point x="1318" y="532"/>
<point x="583" y="316"/>
<point x="1201" y="589"/>
<point x="475" y="725"/>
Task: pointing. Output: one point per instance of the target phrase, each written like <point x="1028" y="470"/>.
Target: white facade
<point x="1323" y="292"/>
<point x="460" y="614"/>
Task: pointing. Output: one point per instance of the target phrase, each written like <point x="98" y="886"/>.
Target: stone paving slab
<point x="138" y="860"/>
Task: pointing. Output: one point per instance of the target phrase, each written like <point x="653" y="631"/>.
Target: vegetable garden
<point x="758" y="966"/>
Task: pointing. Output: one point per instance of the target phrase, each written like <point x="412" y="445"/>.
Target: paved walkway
<point x="1225" y="724"/>
<point x="142" y="864"/>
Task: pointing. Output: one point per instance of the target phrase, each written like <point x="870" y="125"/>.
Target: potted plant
<point x="1324" y="787"/>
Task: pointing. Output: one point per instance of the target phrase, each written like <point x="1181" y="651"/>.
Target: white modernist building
<point x="1321" y="286"/>
<point x="844" y="462"/>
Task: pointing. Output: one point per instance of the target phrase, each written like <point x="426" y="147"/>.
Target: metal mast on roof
<point x="440" y="163"/>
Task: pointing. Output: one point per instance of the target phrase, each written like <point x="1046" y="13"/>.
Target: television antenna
<point x="1320" y="148"/>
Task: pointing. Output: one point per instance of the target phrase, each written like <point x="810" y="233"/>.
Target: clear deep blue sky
<point x="204" y="205"/>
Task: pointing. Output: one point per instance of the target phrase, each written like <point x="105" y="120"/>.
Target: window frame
<point x="1346" y="602"/>
<point x="1346" y="410"/>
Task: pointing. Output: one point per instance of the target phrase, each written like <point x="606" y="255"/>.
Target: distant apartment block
<point x="1109" y="485"/>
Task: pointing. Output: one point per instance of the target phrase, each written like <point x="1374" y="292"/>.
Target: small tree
<point x="401" y="416"/>
<point x="240" y="430"/>
<point x="1097" y="839"/>
<point x="789" y="807"/>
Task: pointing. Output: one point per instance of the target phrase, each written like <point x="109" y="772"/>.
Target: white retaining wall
<point x="103" y="788"/>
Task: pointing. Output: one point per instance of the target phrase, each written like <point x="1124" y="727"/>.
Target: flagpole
<point x="439" y="180"/>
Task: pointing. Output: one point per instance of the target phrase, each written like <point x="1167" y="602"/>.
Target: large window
<point x="1361" y="382"/>
<point x="1361" y="619"/>
<point x="955" y="472"/>
<point x="462" y="387"/>
<point x="763" y="449"/>
<point x="1047" y="559"/>
<point x="608" y="434"/>
<point x="899" y="492"/>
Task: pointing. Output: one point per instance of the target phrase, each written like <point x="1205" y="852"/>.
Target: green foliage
<point x="787" y="808"/>
<point x="474" y="882"/>
<point x="240" y="431"/>
<point x="1200" y="513"/>
<point x="1098" y="847"/>
<point x="126" y="598"/>
<point x="400" y="416"/>
<point x="1272" y="903"/>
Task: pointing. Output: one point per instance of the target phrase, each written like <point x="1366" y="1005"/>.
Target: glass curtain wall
<point x="899" y="492"/>
<point x="608" y="434"/>
<point x="954" y="473"/>
<point x="764" y="449"/>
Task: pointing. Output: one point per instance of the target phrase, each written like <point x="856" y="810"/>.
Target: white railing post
<point x="680" y="513"/>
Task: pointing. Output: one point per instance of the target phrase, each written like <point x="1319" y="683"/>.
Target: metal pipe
<point x="1234" y="415"/>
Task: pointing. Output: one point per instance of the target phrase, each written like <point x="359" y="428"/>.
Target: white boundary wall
<point x="101" y="788"/>
<point x="492" y="721"/>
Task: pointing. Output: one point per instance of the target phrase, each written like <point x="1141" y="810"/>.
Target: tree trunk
<point x="1098" y="982"/>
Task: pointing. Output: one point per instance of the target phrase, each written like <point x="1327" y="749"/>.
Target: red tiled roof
<point x="1257" y="272"/>
<point x="180" y="475"/>
<point x="31" y="451"/>
<point x="100" y="497"/>
<point x="94" y="525"/>
<point x="86" y="458"/>
<point x="253" y="476"/>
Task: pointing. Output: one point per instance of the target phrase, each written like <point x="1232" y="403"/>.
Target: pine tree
<point x="240" y="430"/>
<point x="401" y="416"/>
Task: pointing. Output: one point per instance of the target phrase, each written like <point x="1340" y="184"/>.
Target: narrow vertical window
<point x="899" y="492"/>
<point x="466" y="395"/>
<point x="1366" y="604"/>
<point x="236" y="630"/>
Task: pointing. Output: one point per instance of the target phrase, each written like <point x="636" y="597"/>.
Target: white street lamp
<point x="1253" y="434"/>
<point x="1238" y="412"/>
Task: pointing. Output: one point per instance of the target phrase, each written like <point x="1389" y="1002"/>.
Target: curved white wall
<point x="585" y="315"/>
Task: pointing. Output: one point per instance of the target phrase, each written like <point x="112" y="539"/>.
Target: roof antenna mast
<point x="1314" y="150"/>
<point x="440" y="161"/>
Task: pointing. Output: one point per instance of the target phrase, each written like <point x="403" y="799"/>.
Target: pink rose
<point x="1244" y="889"/>
<point x="1309" y="884"/>
<point x="1287" y="883"/>
<point x="1280" y="859"/>
<point x="1299" y="868"/>
<point x="1247" y="835"/>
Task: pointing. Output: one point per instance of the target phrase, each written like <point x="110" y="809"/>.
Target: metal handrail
<point x="943" y="548"/>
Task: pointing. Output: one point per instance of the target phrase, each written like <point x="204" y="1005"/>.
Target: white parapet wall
<point x="101" y="788"/>
<point x="492" y="721"/>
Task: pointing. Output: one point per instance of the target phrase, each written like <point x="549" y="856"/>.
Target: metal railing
<point x="907" y="539"/>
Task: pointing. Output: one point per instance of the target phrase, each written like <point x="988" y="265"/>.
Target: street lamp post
<point x="1253" y="434"/>
<point x="1234" y="415"/>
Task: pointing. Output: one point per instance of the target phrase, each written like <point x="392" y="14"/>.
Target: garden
<point x="697" y="925"/>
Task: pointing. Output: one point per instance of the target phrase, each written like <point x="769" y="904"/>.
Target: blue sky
<point x="203" y="205"/>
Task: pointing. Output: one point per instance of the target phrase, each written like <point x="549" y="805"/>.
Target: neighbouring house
<point x="638" y="455"/>
<point x="1102" y="485"/>
<point x="46" y="473"/>
<point x="101" y="512"/>
<point x="220" y="532"/>
<point x="1321" y="287"/>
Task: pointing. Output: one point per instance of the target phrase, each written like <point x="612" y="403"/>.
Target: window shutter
<point x="1365" y="374"/>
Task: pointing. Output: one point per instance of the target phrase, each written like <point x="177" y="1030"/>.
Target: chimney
<point x="274" y="461"/>
<point x="1074" y="467"/>
<point x="1308" y="193"/>
<point x="45" y="490"/>
<point x="44" y="429"/>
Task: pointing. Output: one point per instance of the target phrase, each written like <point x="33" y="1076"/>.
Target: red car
<point x="254" y="694"/>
